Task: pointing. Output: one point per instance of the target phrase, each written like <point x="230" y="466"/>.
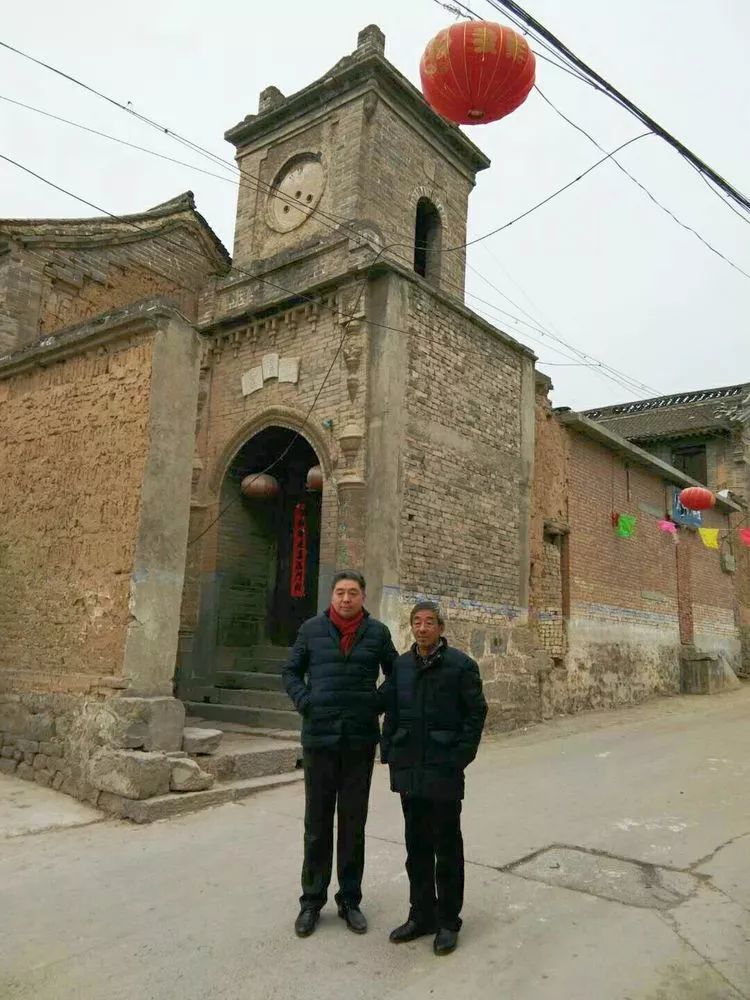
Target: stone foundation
<point x="85" y="747"/>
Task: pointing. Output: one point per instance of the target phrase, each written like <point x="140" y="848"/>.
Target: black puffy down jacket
<point x="433" y="723"/>
<point x="337" y="694"/>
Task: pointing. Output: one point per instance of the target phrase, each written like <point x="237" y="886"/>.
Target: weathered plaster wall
<point x="73" y="454"/>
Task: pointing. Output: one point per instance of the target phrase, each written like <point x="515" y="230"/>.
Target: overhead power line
<point x="510" y="7"/>
<point x="620" y="378"/>
<point x="649" y="194"/>
<point x="462" y="9"/>
<point x="624" y="381"/>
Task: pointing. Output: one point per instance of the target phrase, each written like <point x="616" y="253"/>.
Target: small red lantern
<point x="476" y="72"/>
<point x="260" y="486"/>
<point x="315" y="479"/>
<point x="697" y="498"/>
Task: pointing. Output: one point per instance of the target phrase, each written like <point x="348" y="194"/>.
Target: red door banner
<point x="299" y="551"/>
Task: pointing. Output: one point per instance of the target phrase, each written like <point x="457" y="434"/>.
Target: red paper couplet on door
<point x="299" y="551"/>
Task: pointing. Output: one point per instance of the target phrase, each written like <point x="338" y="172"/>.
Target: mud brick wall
<point x="72" y="453"/>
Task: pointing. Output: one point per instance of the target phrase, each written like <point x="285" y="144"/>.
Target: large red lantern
<point x="697" y="498"/>
<point x="476" y="72"/>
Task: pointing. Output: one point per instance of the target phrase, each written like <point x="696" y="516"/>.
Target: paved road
<point x="202" y="907"/>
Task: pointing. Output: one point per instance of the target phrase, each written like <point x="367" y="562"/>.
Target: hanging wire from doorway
<point x="298" y="433"/>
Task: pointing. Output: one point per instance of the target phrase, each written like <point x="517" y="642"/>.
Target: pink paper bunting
<point x="668" y="527"/>
<point x="745" y="536"/>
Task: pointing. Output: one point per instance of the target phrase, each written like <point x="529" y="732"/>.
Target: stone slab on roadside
<point x="26" y="807"/>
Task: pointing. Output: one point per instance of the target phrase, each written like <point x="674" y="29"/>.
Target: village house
<point x="193" y="444"/>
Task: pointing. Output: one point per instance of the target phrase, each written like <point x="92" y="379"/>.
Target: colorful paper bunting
<point x="668" y="527"/>
<point x="709" y="537"/>
<point x="625" y="527"/>
<point x="745" y="536"/>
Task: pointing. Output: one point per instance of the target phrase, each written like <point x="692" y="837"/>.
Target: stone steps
<point x="255" y="698"/>
<point x="257" y="665"/>
<point x="239" y="679"/>
<point x="255" y="718"/>
<point x="241" y="757"/>
<point x="173" y="804"/>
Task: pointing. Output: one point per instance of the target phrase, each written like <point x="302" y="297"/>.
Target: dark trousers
<point x="434" y="860"/>
<point x="336" y="778"/>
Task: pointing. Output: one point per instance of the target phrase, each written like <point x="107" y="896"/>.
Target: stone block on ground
<point x="198" y="741"/>
<point x="25" y="771"/>
<point x="187" y="776"/>
<point x="43" y="777"/>
<point x="144" y="723"/>
<point x="8" y="766"/>
<point x="706" y="673"/>
<point x="114" y="805"/>
<point x="133" y="774"/>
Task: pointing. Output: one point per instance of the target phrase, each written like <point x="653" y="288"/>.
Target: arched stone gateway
<point x="268" y="553"/>
<point x="264" y="565"/>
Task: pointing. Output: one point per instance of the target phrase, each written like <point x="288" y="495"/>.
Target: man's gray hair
<point x="428" y="606"/>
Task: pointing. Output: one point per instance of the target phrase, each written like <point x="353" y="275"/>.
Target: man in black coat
<point x="332" y="677"/>
<point x="435" y="712"/>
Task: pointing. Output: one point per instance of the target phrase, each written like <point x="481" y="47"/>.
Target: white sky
<point x="600" y="266"/>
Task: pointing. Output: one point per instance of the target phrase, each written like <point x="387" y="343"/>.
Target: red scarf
<point x="347" y="627"/>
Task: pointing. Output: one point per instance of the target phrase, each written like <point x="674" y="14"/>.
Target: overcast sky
<point x="600" y="266"/>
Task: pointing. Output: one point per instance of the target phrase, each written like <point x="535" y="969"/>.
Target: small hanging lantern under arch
<point x="476" y="72"/>
<point x="260" y="486"/>
<point x="697" y="498"/>
<point x="315" y="479"/>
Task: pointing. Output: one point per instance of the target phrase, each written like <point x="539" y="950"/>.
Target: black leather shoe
<point x="410" y="931"/>
<point x="305" y="923"/>
<point x="355" y="919"/>
<point x="445" y="941"/>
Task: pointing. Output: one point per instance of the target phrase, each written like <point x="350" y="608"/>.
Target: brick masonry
<point x="425" y="429"/>
<point x="624" y="607"/>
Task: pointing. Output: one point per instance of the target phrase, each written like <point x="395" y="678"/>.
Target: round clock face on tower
<point x="297" y="190"/>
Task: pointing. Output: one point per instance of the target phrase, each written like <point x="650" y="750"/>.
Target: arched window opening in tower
<point x="427" y="241"/>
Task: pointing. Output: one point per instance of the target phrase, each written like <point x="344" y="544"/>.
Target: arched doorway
<point x="268" y="553"/>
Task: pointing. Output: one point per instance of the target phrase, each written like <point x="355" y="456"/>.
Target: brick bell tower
<point x="419" y="412"/>
<point x="355" y="159"/>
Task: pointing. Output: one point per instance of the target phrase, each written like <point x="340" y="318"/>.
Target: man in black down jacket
<point x="332" y="677"/>
<point x="435" y="712"/>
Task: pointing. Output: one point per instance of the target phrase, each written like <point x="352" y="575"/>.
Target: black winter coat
<point x="337" y="694"/>
<point x="433" y="723"/>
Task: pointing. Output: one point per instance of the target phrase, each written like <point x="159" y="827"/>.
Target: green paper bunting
<point x="625" y="527"/>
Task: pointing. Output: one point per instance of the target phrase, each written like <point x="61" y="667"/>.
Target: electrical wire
<point x="648" y="193"/>
<point x="701" y="169"/>
<point x="554" y="194"/>
<point x="280" y="458"/>
<point x="255" y="181"/>
<point x="619" y="378"/>
<point x="509" y="7"/>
